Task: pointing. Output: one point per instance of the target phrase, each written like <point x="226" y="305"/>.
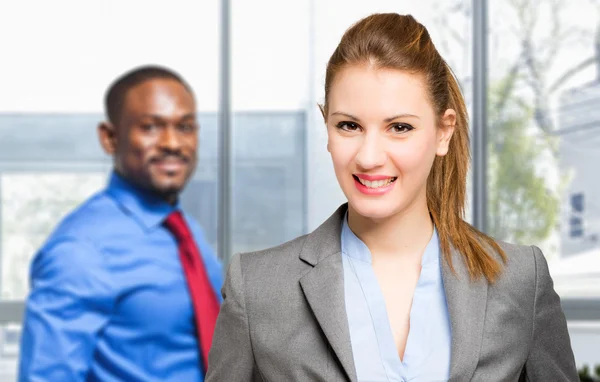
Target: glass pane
<point x="544" y="142"/>
<point x="269" y="123"/>
<point x="10" y="336"/>
<point x="32" y="203"/>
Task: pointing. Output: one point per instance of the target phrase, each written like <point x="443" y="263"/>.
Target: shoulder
<point x="269" y="266"/>
<point x="525" y="264"/>
<point x="278" y="256"/>
<point x="74" y="246"/>
<point x="68" y="261"/>
<point x="211" y="261"/>
<point x="520" y="257"/>
<point x="196" y="228"/>
<point x="267" y="279"/>
<point x="84" y="220"/>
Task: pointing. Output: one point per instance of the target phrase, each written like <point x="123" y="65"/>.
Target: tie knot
<point x="175" y="223"/>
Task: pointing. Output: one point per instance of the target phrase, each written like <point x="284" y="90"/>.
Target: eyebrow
<point x="387" y="120"/>
<point x="160" y="117"/>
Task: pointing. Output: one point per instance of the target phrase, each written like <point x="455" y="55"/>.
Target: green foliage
<point x="585" y="376"/>
<point x="521" y="207"/>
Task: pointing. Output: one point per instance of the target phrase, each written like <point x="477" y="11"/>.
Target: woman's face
<point x="383" y="136"/>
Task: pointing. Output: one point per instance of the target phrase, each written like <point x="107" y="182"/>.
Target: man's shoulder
<point x="194" y="224"/>
<point x="198" y="230"/>
<point x="87" y="219"/>
<point x="72" y="249"/>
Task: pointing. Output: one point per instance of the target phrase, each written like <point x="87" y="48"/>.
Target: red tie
<point x="204" y="300"/>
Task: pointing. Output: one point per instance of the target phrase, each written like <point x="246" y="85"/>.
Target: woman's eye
<point x="401" y="128"/>
<point x="348" y="126"/>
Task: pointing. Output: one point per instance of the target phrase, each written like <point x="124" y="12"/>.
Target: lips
<point x="375" y="181"/>
<point x="374" y="184"/>
<point x="170" y="164"/>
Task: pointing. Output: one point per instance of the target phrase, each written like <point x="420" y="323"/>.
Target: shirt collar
<point x="148" y="209"/>
<point x="353" y="247"/>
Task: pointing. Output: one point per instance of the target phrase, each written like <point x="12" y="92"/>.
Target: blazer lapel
<point x="323" y="287"/>
<point x="467" y="302"/>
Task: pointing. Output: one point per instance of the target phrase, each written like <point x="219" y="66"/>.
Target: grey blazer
<point x="283" y="317"/>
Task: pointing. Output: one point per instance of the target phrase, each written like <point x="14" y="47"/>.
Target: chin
<point x="168" y="188"/>
<point x="172" y="189"/>
<point x="372" y="209"/>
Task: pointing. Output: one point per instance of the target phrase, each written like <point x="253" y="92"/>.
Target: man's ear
<point x="107" y="134"/>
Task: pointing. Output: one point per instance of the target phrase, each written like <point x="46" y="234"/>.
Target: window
<point x="32" y="204"/>
<point x="544" y="146"/>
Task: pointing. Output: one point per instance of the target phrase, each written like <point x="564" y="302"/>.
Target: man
<point x="126" y="288"/>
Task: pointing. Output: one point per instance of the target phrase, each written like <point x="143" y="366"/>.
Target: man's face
<point x="155" y="139"/>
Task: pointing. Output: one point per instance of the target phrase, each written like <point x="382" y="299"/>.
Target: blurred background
<point x="543" y="123"/>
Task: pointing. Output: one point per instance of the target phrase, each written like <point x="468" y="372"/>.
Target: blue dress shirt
<point x="109" y="299"/>
<point x="427" y="352"/>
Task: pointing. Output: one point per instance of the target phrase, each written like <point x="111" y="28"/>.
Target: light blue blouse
<point x="427" y="353"/>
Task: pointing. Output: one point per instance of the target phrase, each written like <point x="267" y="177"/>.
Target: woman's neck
<point x="405" y="234"/>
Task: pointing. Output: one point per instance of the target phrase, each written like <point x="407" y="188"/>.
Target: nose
<point x="371" y="153"/>
<point x="169" y="139"/>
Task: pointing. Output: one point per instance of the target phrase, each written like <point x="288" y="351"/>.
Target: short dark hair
<point x="115" y="95"/>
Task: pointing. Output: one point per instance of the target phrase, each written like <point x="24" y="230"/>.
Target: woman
<point x="395" y="286"/>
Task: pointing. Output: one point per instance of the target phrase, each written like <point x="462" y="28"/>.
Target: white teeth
<point x="376" y="183"/>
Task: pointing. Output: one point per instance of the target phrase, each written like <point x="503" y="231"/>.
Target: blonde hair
<point x="400" y="42"/>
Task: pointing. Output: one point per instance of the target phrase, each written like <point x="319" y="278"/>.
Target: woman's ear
<point x="322" y="109"/>
<point x="445" y="131"/>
